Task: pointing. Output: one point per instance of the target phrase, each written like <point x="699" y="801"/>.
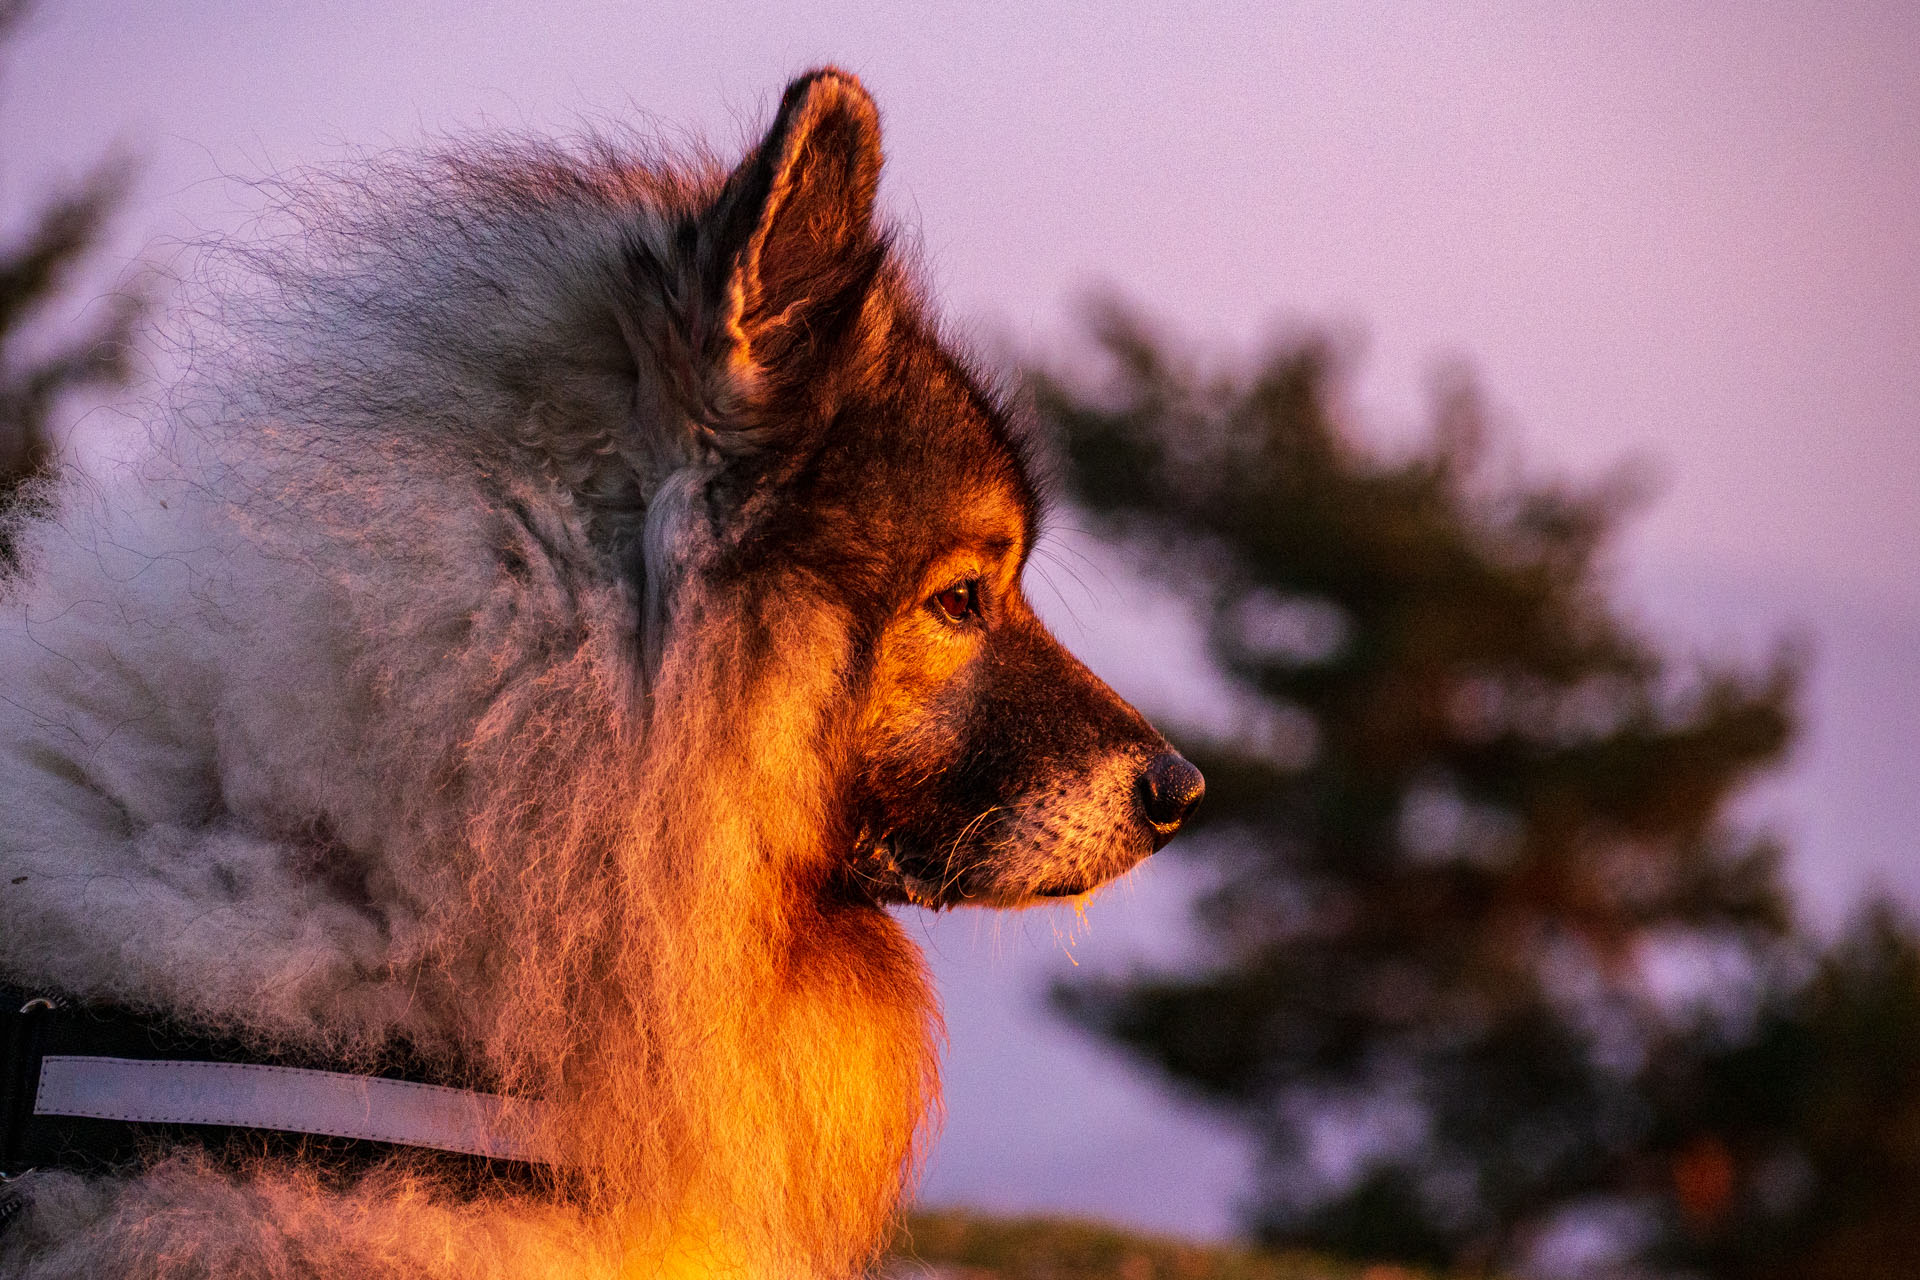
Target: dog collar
<point x="87" y="1087"/>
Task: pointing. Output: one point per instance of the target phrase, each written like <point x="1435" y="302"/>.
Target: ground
<point x="960" y="1245"/>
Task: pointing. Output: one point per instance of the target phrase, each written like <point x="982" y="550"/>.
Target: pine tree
<point x="1471" y="804"/>
<point x="1793" y="1147"/>
<point x="34" y="376"/>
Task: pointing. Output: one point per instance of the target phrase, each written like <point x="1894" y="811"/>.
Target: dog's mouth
<point x="887" y="874"/>
<point x="882" y="874"/>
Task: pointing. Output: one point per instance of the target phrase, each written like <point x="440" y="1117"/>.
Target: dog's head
<point x="858" y="462"/>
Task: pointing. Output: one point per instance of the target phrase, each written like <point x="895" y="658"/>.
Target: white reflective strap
<point x="251" y="1096"/>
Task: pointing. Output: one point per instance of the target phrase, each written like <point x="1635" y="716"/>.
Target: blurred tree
<point x="1469" y="816"/>
<point x="1794" y="1146"/>
<point x="33" y="273"/>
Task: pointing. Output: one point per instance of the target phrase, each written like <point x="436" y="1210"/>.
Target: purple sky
<point x="1691" y="238"/>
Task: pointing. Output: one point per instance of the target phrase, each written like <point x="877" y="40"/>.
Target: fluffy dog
<point x="567" y="598"/>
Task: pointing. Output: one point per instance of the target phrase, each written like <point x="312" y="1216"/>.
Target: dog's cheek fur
<point x="799" y="1121"/>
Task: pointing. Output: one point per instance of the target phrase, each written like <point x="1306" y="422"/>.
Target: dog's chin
<point x="1050" y="892"/>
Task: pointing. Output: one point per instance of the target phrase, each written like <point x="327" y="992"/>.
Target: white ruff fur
<point x="324" y="720"/>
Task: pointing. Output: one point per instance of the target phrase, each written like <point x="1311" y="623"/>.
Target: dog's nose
<point x="1170" y="790"/>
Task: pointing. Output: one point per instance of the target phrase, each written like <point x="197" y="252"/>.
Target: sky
<point x="1682" y="235"/>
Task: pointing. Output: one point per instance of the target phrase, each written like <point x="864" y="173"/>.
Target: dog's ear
<point x="787" y="255"/>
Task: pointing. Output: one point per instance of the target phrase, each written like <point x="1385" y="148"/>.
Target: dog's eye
<point x="958" y="602"/>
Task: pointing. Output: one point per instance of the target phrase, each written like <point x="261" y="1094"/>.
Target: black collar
<point x="35" y="1026"/>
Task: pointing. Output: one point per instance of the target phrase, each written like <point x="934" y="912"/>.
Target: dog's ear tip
<point x="829" y="93"/>
<point x="829" y="85"/>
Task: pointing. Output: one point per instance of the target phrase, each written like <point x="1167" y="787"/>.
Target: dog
<point x="565" y="600"/>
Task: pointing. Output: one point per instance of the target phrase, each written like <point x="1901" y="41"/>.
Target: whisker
<point x="954" y="871"/>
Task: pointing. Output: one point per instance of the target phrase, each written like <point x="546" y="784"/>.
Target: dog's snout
<point x="1170" y="790"/>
